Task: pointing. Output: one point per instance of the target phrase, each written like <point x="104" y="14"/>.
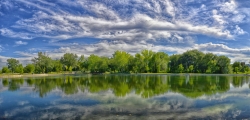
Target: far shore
<point x="63" y="74"/>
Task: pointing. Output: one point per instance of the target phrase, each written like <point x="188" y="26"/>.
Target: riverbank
<point x="75" y="73"/>
<point x="33" y="75"/>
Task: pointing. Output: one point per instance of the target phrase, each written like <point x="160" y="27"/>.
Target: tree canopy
<point x="146" y="61"/>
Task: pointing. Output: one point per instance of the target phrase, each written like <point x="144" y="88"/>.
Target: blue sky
<point x="101" y="27"/>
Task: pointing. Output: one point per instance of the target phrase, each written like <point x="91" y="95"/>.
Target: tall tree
<point x="19" y="69"/>
<point x="80" y="63"/>
<point x="159" y="62"/>
<point x="236" y="67"/>
<point x="174" y="62"/>
<point x="120" y="60"/>
<point x="58" y="66"/>
<point x="191" y="57"/>
<point x="43" y="63"/>
<point x="12" y="64"/>
<point x="69" y="60"/>
<point x="208" y="63"/>
<point x="223" y="64"/>
<point x="29" y="68"/>
<point x="97" y="64"/>
<point x="5" y="70"/>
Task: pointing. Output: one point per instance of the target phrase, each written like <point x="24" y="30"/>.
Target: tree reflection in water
<point x="144" y="85"/>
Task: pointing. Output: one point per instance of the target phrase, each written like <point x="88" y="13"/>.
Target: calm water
<point x="126" y="97"/>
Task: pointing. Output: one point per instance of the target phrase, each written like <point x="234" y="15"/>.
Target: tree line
<point x="146" y="61"/>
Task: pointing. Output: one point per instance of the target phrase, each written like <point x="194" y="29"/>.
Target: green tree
<point x="120" y="61"/>
<point x="147" y="56"/>
<point x="191" y="57"/>
<point x="191" y="68"/>
<point x="29" y="68"/>
<point x="180" y="68"/>
<point x="80" y="63"/>
<point x="69" y="60"/>
<point x="159" y="62"/>
<point x="19" y="69"/>
<point x="5" y="70"/>
<point x="212" y="66"/>
<point x="12" y="64"/>
<point x="138" y="63"/>
<point x="208" y="63"/>
<point x="58" y="66"/>
<point x="43" y="63"/>
<point x="236" y="67"/>
<point x="223" y="64"/>
<point x="174" y="63"/>
<point x="246" y="68"/>
<point x="97" y="64"/>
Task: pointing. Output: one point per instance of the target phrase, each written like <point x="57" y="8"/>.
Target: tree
<point x="191" y="57"/>
<point x="69" y="60"/>
<point x="5" y="70"/>
<point x="208" y="63"/>
<point x="120" y="61"/>
<point x="212" y="66"/>
<point x="19" y="69"/>
<point x="80" y="63"/>
<point x="138" y="63"/>
<point x="97" y="64"/>
<point x="236" y="67"/>
<point x="191" y="68"/>
<point x="147" y="56"/>
<point x="174" y="62"/>
<point x="43" y="63"/>
<point x="223" y="64"/>
<point x="12" y="64"/>
<point x="58" y="66"/>
<point x="246" y="68"/>
<point x="29" y="68"/>
<point x="159" y="62"/>
<point x="180" y="68"/>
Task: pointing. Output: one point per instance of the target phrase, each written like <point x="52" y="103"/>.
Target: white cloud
<point x="217" y="17"/>
<point x="238" y="18"/>
<point x="104" y="22"/>
<point x="1" y="48"/>
<point x="10" y="33"/>
<point x="235" y="54"/>
<point x="239" y="31"/>
<point x="20" y="43"/>
<point x="229" y="6"/>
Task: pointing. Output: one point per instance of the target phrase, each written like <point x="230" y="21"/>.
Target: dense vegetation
<point x="147" y="61"/>
<point x="121" y="85"/>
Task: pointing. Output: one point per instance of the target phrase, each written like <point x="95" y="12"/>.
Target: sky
<point x="100" y="27"/>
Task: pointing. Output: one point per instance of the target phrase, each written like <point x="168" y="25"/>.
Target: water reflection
<point x="126" y="97"/>
<point x="144" y="85"/>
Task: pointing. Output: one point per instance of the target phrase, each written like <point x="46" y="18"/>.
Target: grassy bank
<point x="16" y="75"/>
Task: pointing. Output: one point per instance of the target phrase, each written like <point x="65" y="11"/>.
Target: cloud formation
<point x="21" y="43"/>
<point x="102" y="27"/>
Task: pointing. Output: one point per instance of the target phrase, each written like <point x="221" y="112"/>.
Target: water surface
<point x="126" y="97"/>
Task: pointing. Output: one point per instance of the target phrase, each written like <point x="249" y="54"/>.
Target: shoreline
<point x="63" y="74"/>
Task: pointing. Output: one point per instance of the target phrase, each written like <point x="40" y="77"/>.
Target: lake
<point x="139" y="96"/>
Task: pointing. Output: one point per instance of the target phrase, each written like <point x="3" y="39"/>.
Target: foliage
<point x="97" y="64"/>
<point x="58" y="66"/>
<point x="120" y="61"/>
<point x="29" y="68"/>
<point x="69" y="60"/>
<point x="191" y="61"/>
<point x="19" y="69"/>
<point x="12" y="64"/>
<point x="5" y="70"/>
<point x="43" y="63"/>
